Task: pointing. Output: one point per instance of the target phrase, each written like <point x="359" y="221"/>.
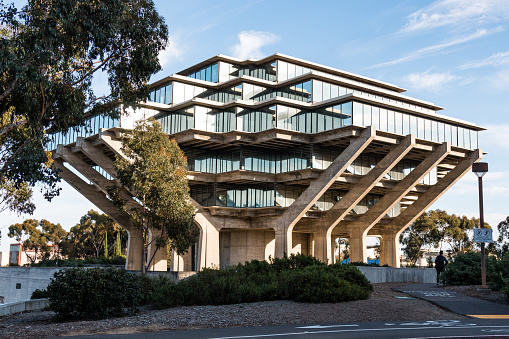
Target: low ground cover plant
<point x="297" y="277"/>
<point x="96" y="293"/>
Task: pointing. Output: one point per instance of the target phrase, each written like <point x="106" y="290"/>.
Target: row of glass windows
<point x="90" y="127"/>
<point x="404" y="124"/>
<point x="248" y="120"/>
<point x="229" y="71"/>
<point x="308" y="91"/>
<point x="256" y="160"/>
<point x="257" y="196"/>
<point x="162" y="95"/>
<point x="279" y="116"/>
<point x="207" y="73"/>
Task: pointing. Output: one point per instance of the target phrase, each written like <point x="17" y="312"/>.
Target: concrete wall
<point x="22" y="306"/>
<point x="240" y="246"/>
<point x="18" y="283"/>
<point x="392" y="274"/>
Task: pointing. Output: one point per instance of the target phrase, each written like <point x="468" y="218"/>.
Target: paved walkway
<point x="456" y="302"/>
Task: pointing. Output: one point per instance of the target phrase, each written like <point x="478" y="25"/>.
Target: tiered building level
<point x="284" y="156"/>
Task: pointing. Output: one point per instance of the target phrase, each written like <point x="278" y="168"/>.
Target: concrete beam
<point x="317" y="188"/>
<point x="412" y="212"/>
<point x="337" y="213"/>
<point x="367" y="220"/>
<point x="92" y="152"/>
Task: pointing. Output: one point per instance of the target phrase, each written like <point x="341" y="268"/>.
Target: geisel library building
<point x="285" y="156"/>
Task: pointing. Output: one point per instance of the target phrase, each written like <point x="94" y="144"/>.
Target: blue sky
<point x="454" y="53"/>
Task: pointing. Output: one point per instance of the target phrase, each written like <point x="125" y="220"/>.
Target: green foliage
<point x="434" y="228"/>
<point x="321" y="284"/>
<point x="94" y="293"/>
<point x="49" y="52"/>
<point x="39" y="294"/>
<point x="298" y="277"/>
<point x="500" y="247"/>
<point x="466" y="270"/>
<point x="89" y="262"/>
<point x="156" y="172"/>
<point x="37" y="237"/>
<point x="85" y="238"/>
<point x="16" y="197"/>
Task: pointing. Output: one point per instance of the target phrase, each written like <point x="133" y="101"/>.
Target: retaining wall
<point x="22" y="306"/>
<point x="18" y="283"/>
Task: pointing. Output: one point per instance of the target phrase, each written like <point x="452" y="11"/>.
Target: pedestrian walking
<point x="440" y="263"/>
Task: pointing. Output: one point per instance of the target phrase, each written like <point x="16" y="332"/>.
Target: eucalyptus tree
<point x="49" y="54"/>
<point x="155" y="173"/>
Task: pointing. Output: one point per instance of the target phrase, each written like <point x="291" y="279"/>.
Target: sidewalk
<point x="456" y="302"/>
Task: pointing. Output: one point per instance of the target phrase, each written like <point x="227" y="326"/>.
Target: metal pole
<point x="483" y="259"/>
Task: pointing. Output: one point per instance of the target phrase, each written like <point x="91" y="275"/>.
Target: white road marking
<point x="327" y="326"/>
<point x="352" y="330"/>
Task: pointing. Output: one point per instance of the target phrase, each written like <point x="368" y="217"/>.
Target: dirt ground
<point x="381" y="306"/>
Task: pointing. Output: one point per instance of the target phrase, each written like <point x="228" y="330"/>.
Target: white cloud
<point x="458" y="14"/>
<point x="494" y="140"/>
<point x="251" y="42"/>
<point x="434" y="49"/>
<point x="496" y="59"/>
<point x="174" y="51"/>
<point x="433" y="82"/>
<point x="499" y="80"/>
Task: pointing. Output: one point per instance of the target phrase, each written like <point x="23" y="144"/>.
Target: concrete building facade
<point x="284" y="156"/>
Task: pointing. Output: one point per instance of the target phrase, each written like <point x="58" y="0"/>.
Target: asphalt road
<point x="469" y="328"/>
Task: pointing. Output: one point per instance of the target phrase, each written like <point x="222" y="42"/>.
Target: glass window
<point x="406" y="124"/>
<point x="413" y="125"/>
<point x="317" y="90"/>
<point x="391" y="123"/>
<point x="357" y="114"/>
<point x="375" y="117"/>
<point x="282" y="71"/>
<point x="214" y="75"/>
<point x="326" y="91"/>
<point x="454" y="135"/>
<point x="366" y="115"/>
<point x="420" y="128"/>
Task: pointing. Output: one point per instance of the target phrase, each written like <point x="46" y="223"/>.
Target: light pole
<point x="480" y="169"/>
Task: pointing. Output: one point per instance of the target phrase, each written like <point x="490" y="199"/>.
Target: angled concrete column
<point x="363" y="187"/>
<point x="280" y="242"/>
<point x="317" y="187"/>
<point x="109" y="139"/>
<point x="413" y="211"/>
<point x="91" y="174"/>
<point x="134" y="243"/>
<point x="92" y="152"/>
<point x="367" y="220"/>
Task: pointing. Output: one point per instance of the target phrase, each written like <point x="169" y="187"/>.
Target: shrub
<point x="466" y="270"/>
<point x="39" y="294"/>
<point x="284" y="278"/>
<point x="319" y="284"/>
<point x="94" y="293"/>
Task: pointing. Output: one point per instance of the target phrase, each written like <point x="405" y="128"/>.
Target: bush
<point x="115" y="261"/>
<point x="319" y="284"/>
<point x="282" y="278"/>
<point x="466" y="270"/>
<point x="94" y="293"/>
<point x="39" y="294"/>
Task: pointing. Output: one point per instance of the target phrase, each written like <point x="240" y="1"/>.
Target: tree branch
<point x="12" y="126"/>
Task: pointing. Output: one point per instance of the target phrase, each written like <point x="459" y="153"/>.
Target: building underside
<point x="268" y="181"/>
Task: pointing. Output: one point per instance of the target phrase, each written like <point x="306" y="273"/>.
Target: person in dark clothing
<point x="440" y="263"/>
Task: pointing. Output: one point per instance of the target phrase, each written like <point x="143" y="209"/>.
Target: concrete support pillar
<point x="323" y="246"/>
<point x="134" y="249"/>
<point x="390" y="249"/>
<point x="208" y="243"/>
<point x="358" y="246"/>
<point x="158" y="260"/>
<point x="280" y="244"/>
